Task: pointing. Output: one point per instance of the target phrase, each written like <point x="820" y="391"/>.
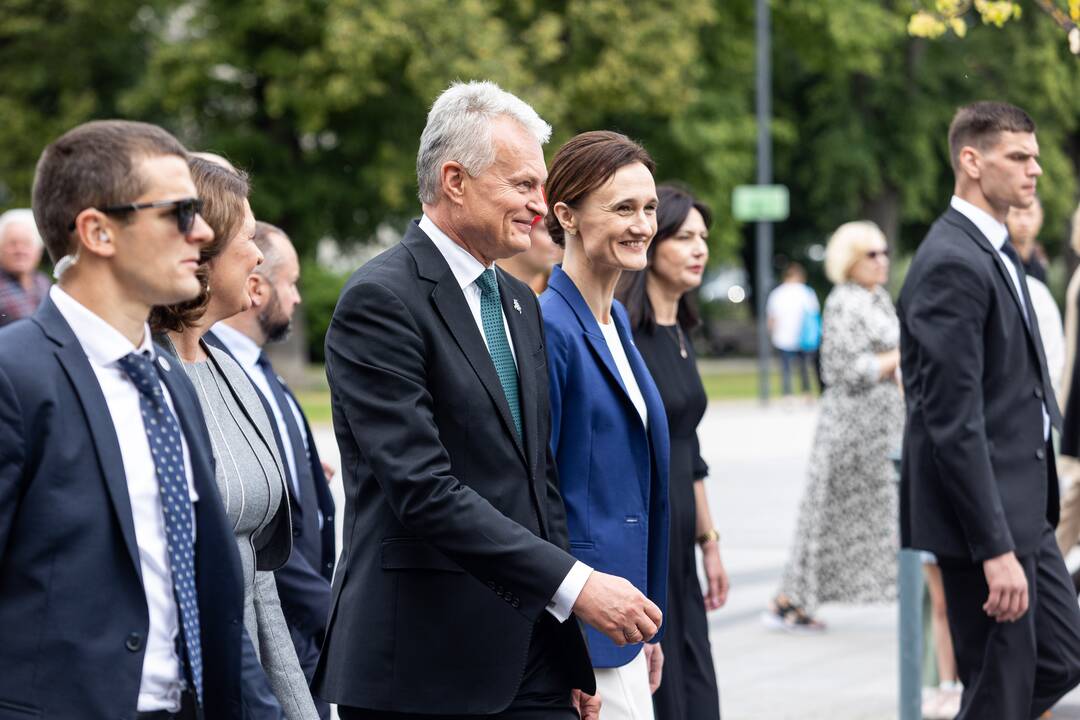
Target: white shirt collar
<point x="995" y="231"/>
<point x="243" y="348"/>
<point x="465" y="267"/>
<point x="102" y="343"/>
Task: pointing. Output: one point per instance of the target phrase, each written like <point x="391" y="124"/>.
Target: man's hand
<point x="654" y="658"/>
<point x="1008" y="599"/>
<point x="328" y="471"/>
<point x="715" y="576"/>
<point x="618" y="609"/>
<point x="588" y="706"/>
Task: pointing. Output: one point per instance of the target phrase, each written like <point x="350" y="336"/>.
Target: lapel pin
<point x="517" y="306"/>
<point x="163" y="363"/>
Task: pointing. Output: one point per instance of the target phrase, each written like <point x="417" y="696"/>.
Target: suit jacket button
<point x="134" y="642"/>
<point x="296" y="531"/>
<point x="1040" y="454"/>
<point x="1038" y="392"/>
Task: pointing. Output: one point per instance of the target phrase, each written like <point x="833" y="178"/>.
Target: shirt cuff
<point x="562" y="605"/>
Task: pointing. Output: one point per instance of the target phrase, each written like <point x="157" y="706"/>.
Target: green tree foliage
<point x="869" y="106"/>
<point x="62" y="62"/>
<point x="324" y="100"/>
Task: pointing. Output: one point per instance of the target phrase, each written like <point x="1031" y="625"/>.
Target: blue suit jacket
<point x="73" y="613"/>
<point x="613" y="471"/>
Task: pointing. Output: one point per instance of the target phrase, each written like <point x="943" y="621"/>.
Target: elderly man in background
<point x="22" y="286"/>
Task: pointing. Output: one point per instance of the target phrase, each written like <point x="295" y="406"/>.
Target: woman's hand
<point x="654" y="658"/>
<point x="716" y="578"/>
<point x="888" y="362"/>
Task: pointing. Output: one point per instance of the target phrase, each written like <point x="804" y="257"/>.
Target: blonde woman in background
<point x="846" y="539"/>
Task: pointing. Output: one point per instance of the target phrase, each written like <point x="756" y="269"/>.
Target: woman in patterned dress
<point x="846" y="539"/>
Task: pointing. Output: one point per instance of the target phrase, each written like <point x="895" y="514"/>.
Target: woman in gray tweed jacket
<point x="248" y="470"/>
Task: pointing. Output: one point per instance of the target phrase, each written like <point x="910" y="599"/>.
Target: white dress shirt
<point x="104" y="345"/>
<point x="622" y="364"/>
<point x="997" y="233"/>
<point x="466" y="270"/>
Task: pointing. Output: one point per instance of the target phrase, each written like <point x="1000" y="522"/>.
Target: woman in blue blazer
<point x="609" y="429"/>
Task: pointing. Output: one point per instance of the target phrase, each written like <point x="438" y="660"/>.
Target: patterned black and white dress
<point x="846" y="538"/>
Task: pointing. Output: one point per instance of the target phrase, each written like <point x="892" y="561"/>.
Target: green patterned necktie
<point x="498" y="345"/>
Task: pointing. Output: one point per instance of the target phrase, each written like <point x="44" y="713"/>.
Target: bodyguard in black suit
<point x="978" y="485"/>
<point x="120" y="586"/>
<point x="303" y="583"/>
<point x="455" y="588"/>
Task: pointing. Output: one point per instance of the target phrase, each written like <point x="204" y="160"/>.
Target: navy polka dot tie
<point x="163" y="432"/>
<point x="498" y="345"/>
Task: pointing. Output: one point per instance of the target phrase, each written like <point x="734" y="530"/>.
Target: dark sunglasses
<point x="875" y="254"/>
<point x="185" y="211"/>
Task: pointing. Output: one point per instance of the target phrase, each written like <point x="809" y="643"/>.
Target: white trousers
<point x="624" y="691"/>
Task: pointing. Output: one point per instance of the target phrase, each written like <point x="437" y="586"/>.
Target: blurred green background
<point x="323" y="102"/>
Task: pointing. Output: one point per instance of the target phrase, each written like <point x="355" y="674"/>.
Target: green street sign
<point x="760" y="203"/>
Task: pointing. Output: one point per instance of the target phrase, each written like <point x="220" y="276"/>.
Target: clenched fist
<point x="618" y="609"/>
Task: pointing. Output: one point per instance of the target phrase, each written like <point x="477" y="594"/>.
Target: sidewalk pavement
<point x="757" y="458"/>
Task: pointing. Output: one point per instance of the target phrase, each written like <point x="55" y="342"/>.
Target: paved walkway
<point x="758" y="457"/>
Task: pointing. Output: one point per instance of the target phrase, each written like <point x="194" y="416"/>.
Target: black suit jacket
<point x="303" y="583"/>
<point x="974" y="477"/>
<point x="73" y="615"/>
<point x="455" y="533"/>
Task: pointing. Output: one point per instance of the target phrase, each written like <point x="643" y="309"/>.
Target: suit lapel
<point x="657" y="427"/>
<point x="214" y="341"/>
<point x="73" y="360"/>
<point x="980" y="240"/>
<point x="562" y="284"/>
<point x="215" y="355"/>
<point x="654" y="406"/>
<point x="1023" y="304"/>
<point x="189" y="418"/>
<point x="450" y="303"/>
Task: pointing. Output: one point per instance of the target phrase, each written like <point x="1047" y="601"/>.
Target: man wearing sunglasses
<point x="121" y="588"/>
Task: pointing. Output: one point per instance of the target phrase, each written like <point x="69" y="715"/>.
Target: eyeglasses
<point x="185" y="211"/>
<point x="875" y="254"/>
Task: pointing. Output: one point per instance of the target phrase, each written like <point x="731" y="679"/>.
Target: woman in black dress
<point x="661" y="316"/>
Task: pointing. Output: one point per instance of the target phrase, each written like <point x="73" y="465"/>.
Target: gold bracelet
<point x="708" y="536"/>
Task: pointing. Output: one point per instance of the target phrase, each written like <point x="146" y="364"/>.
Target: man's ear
<point x="257" y="288"/>
<point x="94" y="234"/>
<point x="970" y="162"/>
<point x="453" y="177"/>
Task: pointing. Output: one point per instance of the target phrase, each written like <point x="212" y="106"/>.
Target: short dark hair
<point x="92" y="165"/>
<point x="979" y="124"/>
<point x="583" y="164"/>
<point x="675" y="205"/>
<point x="223" y="191"/>
<point x="794" y="269"/>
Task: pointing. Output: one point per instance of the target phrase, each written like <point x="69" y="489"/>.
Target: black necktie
<point x="1049" y="400"/>
<point x="304" y="483"/>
